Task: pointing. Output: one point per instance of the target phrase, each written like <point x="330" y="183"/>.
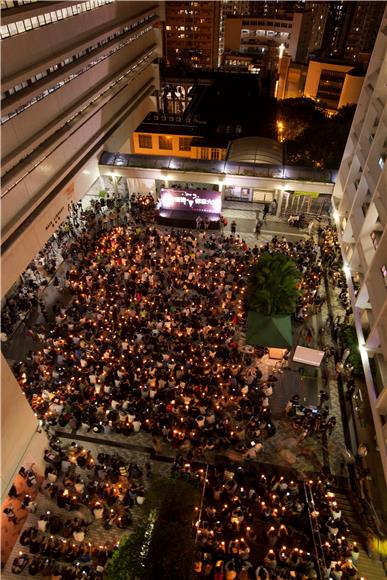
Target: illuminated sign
<point x="309" y="193"/>
<point x="197" y="200"/>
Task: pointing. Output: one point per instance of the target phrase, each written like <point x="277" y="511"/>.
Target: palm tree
<point x="273" y="285"/>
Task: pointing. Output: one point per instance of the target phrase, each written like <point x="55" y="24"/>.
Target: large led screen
<point x="197" y="200"/>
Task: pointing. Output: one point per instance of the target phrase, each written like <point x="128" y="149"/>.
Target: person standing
<point x="258" y="226"/>
<point x="233" y="226"/>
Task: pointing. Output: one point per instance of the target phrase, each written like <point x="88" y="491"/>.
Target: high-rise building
<point x="230" y="8"/>
<point x="273" y="8"/>
<point x="192" y="32"/>
<point x="361" y="217"/>
<point x="318" y="16"/>
<point x="351" y="28"/>
<point x="77" y="78"/>
<point x="366" y="18"/>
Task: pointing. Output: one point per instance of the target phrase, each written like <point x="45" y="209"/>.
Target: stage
<point x="184" y="219"/>
<point x="180" y="208"/>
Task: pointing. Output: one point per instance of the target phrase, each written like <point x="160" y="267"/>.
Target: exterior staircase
<point x="369" y="568"/>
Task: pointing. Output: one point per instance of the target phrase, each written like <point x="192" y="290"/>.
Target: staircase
<point x="369" y="568"/>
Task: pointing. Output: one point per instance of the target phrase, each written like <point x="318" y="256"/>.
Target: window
<point x="165" y="142"/>
<point x="204" y="153"/>
<point x="145" y="141"/>
<point x="184" y="144"/>
<point x="215" y="154"/>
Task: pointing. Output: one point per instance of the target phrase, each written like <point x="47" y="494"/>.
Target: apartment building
<point x="252" y="35"/>
<point x="192" y="33"/>
<point x="77" y="78"/>
<point x="361" y="217"/>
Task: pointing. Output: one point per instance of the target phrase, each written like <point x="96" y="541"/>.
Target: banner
<point x="309" y="193"/>
<point x="197" y="200"/>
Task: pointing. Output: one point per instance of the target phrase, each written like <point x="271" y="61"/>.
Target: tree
<point x="299" y="114"/>
<point x="162" y="547"/>
<point x="312" y="137"/>
<point x="273" y="285"/>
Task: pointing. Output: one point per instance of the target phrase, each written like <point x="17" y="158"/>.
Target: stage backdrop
<point x="191" y="200"/>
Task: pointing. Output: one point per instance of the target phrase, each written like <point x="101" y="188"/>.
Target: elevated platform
<point x="187" y="219"/>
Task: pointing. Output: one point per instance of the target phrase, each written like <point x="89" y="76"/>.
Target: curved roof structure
<point x="258" y="150"/>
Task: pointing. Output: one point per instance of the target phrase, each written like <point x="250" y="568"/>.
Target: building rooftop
<point x="228" y="107"/>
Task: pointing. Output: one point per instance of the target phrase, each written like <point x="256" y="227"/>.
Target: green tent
<point x="271" y="331"/>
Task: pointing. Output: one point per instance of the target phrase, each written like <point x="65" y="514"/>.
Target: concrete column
<point x="279" y="196"/>
<point x="115" y="186"/>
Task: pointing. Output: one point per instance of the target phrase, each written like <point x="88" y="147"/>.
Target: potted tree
<point x="272" y="292"/>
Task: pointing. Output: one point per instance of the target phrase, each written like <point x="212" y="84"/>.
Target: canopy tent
<point x="308" y="356"/>
<point x="262" y="330"/>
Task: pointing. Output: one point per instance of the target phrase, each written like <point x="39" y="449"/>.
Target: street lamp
<point x="280" y="127"/>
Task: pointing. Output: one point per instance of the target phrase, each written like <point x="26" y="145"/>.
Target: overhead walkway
<point x="276" y="179"/>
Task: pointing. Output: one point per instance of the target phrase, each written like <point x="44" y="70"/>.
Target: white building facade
<point x="360" y="197"/>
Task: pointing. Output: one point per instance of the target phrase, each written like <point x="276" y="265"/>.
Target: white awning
<point x="308" y="356"/>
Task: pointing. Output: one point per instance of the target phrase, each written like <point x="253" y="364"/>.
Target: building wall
<point x="97" y="85"/>
<point x="192" y="32"/>
<point x="21" y="443"/>
<point x="351" y="90"/>
<point x="360" y="199"/>
<point x="295" y="81"/>
<point x="250" y="34"/>
<point x="173" y="141"/>
<point x="334" y="92"/>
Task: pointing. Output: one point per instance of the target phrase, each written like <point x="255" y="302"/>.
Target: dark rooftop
<point x="228" y="107"/>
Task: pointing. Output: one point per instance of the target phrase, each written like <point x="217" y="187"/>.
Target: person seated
<point x="79" y="486"/>
<point x="56" y="573"/>
<point x="25" y="537"/>
<point x="34" y="566"/>
<point x="19" y="563"/>
<point x="43" y="522"/>
<point x="261" y="573"/>
<point x="98" y="511"/>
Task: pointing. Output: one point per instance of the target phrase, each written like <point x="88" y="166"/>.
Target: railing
<point x="315" y="529"/>
<point x="214" y="166"/>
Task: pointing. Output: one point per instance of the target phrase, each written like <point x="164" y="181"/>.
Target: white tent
<point x="308" y="356"/>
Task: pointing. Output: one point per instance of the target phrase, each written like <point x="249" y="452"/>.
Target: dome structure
<point x="259" y="150"/>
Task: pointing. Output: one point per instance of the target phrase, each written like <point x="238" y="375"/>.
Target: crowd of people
<point x="103" y="489"/>
<point x="147" y="337"/>
<point x="259" y="528"/>
<point x="310" y="421"/>
<point x="150" y="341"/>
<point x="150" y="338"/>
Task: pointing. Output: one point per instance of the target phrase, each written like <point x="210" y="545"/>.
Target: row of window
<point x="270" y="33"/>
<point x="73" y="58"/>
<point x="15" y="3"/>
<point x="138" y="67"/>
<point x="55" y="87"/>
<point x="27" y="24"/>
<point x="266" y="23"/>
<point x="166" y="143"/>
